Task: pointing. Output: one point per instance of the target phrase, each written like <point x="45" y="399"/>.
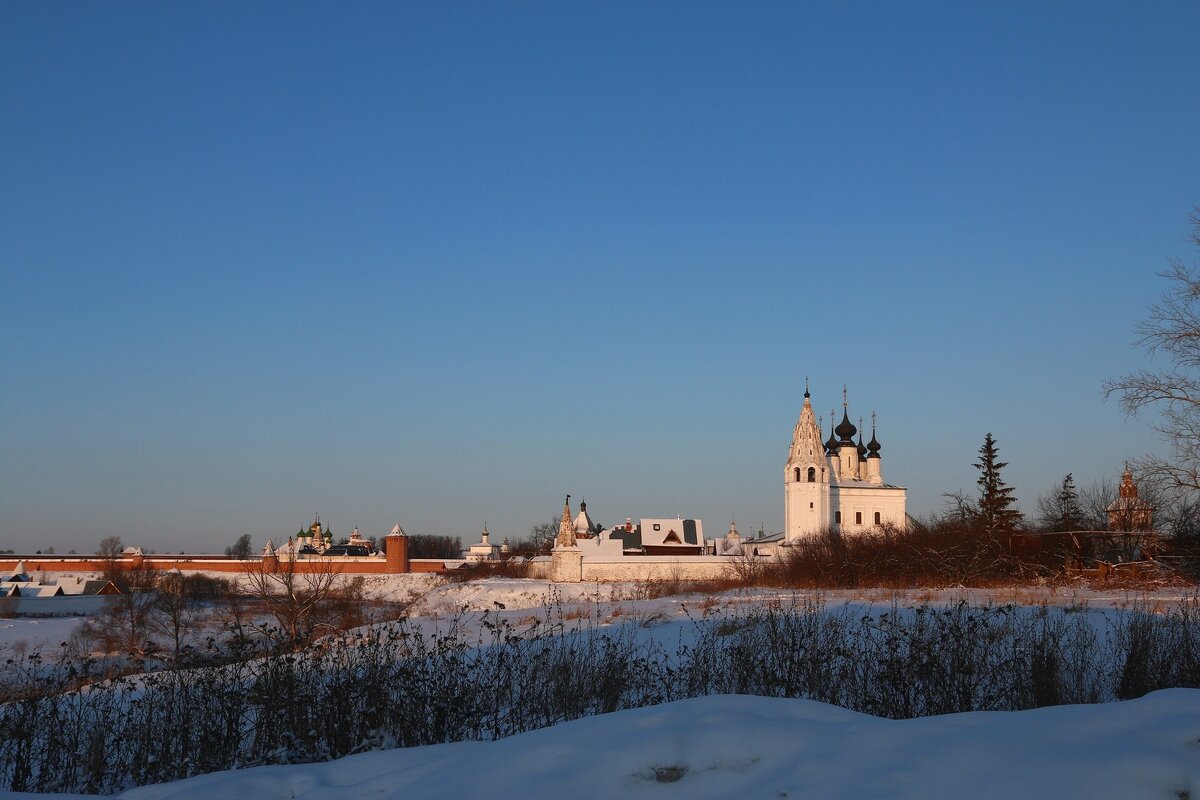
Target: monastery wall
<point x="348" y="566"/>
<point x="640" y="568"/>
<point x="657" y="568"/>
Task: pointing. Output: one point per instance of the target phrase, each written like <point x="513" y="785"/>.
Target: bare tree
<point x="1172" y="330"/>
<point x="541" y="536"/>
<point x="124" y="624"/>
<point x="109" y="552"/>
<point x="110" y="547"/>
<point x="296" y="593"/>
<point x="241" y="549"/>
<point x="173" y="611"/>
<point x="1094" y="500"/>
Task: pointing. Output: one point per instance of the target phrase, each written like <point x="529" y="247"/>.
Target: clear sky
<point x="443" y="263"/>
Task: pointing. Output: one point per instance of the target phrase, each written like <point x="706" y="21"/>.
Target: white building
<point x="484" y="550"/>
<point x="837" y="484"/>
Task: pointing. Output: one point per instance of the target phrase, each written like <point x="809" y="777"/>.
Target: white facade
<point x="836" y="484"/>
<point x="483" y="550"/>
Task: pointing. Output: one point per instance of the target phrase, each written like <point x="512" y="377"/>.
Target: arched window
<point x="812" y="474"/>
<point x="797" y="474"/>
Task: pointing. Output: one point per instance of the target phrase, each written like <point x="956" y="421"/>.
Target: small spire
<point x="806" y="386"/>
<point x="566" y="530"/>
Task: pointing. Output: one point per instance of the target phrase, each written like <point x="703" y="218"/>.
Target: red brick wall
<point x="185" y="563"/>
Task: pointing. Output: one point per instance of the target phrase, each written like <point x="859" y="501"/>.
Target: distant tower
<point x="1129" y="512"/>
<point x="566" y="529"/>
<point x="806" y="477"/>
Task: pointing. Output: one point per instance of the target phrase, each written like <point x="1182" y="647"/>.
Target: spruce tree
<point x="995" y="516"/>
<point x="1068" y="506"/>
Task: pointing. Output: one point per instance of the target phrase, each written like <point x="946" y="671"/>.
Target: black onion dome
<point x="845" y="429"/>
<point x="862" y="448"/>
<point x="831" y="445"/>
<point x="874" y="446"/>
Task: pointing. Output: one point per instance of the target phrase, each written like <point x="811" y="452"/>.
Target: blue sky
<point x="443" y="263"/>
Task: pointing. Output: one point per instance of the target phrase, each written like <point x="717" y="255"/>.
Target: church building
<point x="836" y="484"/>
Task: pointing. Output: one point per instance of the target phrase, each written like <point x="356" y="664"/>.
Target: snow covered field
<point x="727" y="745"/>
<point x="753" y="747"/>
<point x="36" y="633"/>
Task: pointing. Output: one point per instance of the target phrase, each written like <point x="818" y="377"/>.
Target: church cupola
<point x="806" y="460"/>
<point x="845" y="430"/>
<point x="831" y="445"/>
<point x="1127" y="488"/>
<point x="847" y="454"/>
<point x="862" y="453"/>
<point x="874" y="461"/>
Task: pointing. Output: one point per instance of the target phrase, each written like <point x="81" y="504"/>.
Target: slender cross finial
<point x="872" y="424"/>
<point x="844" y="404"/>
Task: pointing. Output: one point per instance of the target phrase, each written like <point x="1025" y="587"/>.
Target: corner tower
<point x="806" y="478"/>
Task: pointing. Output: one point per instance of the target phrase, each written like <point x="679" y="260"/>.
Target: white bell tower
<point x="806" y="478"/>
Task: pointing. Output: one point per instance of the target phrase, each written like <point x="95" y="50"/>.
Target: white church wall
<point x="657" y="568"/>
<point x="860" y="504"/>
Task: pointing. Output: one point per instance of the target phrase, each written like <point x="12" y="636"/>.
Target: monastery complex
<point x="835" y="484"/>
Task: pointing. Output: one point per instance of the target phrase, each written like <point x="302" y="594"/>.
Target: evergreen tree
<point x="995" y="514"/>
<point x="1061" y="509"/>
<point x="1068" y="505"/>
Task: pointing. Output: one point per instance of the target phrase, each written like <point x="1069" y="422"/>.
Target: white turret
<point x="847" y="452"/>
<point x="874" y="462"/>
<point x="806" y="476"/>
<point x="566" y="529"/>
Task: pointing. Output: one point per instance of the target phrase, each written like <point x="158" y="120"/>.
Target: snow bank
<point x="736" y="746"/>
